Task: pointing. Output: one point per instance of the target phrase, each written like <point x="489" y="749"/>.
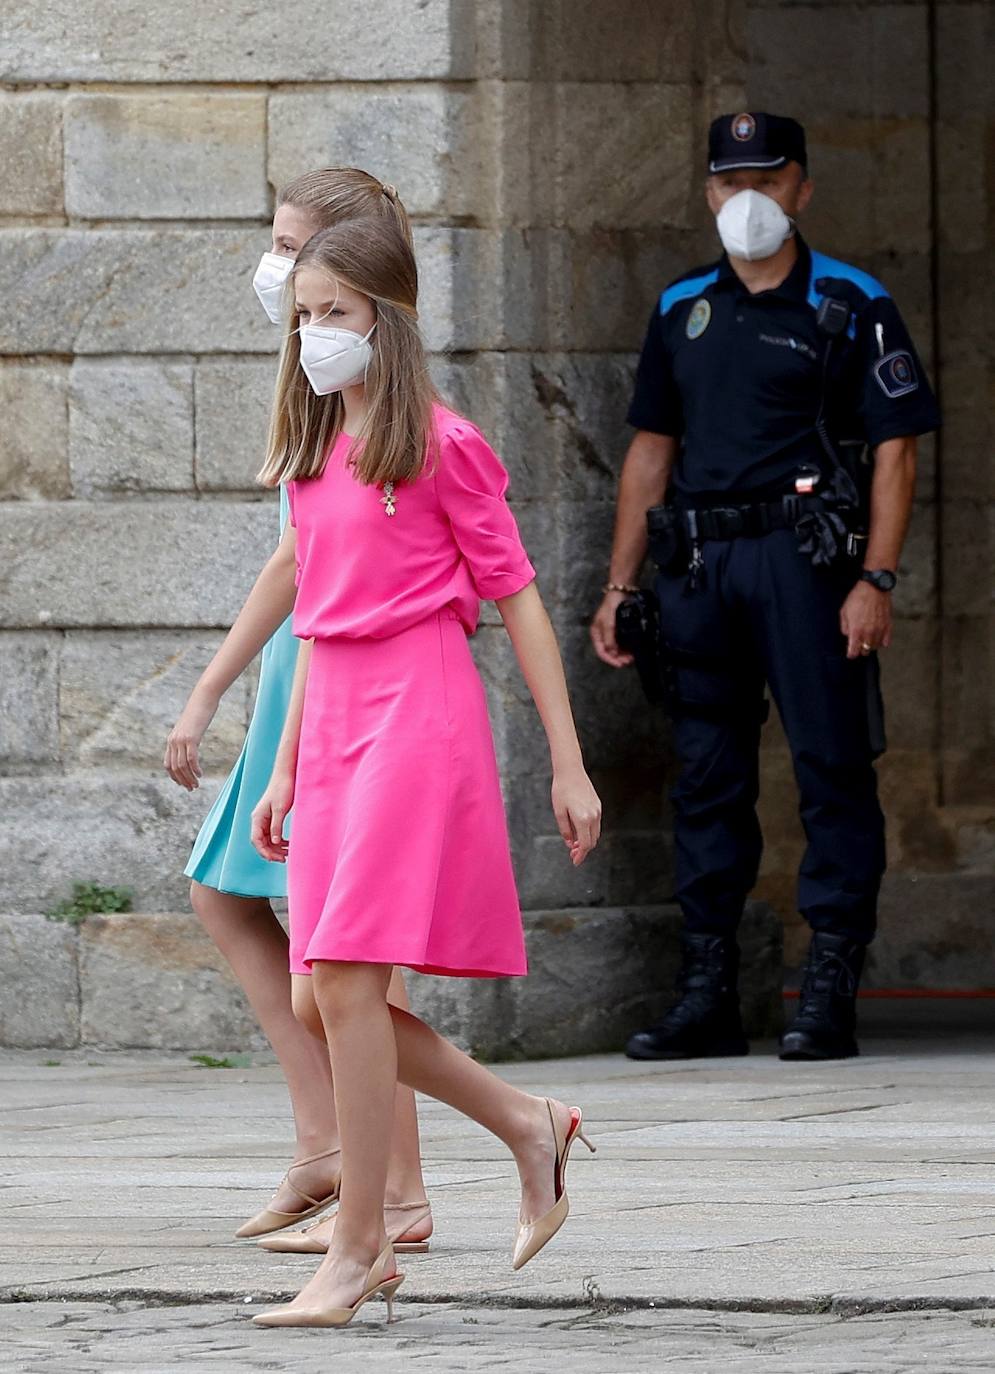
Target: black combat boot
<point x="705" y="1021"/>
<point x="825" y="1027"/>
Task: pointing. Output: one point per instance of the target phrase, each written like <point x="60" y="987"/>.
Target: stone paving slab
<point x="738" y="1181"/>
<point x="77" y="1338"/>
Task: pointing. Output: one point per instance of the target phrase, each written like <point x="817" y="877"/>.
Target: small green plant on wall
<point x="90" y="899"/>
<point x="230" y="1061"/>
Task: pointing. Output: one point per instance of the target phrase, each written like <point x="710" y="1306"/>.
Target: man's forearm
<point x="643" y="483"/>
<point x="892" y="490"/>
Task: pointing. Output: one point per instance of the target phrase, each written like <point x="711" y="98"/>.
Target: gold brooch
<point x="387" y="500"/>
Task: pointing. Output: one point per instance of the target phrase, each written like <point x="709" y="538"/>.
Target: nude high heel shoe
<point x="378" y="1280"/>
<point x="533" y="1235"/>
<point x="270" y="1219"/>
<point x="399" y="1218"/>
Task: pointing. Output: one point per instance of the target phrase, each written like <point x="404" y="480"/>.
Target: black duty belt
<point x="732" y="522"/>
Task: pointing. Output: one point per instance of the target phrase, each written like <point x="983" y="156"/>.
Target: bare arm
<point x="266" y="608"/>
<point x="274" y="805"/>
<point x="866" y="617"/>
<point x="575" y="802"/>
<point x="643" y="483"/>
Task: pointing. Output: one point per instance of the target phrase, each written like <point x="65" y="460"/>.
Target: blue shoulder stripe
<point x="689" y="286"/>
<point x="823" y="266"/>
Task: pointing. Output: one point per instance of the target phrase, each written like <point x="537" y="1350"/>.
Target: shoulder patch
<point x="699" y="318"/>
<point x="895" y="374"/>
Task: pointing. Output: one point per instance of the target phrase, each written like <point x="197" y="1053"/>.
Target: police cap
<point x="754" y="140"/>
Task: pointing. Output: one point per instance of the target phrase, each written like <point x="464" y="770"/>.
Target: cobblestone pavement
<point x="739" y="1215"/>
<point x="77" y="1338"/>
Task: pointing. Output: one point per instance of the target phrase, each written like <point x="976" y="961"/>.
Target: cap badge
<point x="698" y="320"/>
<point x="744" y="126"/>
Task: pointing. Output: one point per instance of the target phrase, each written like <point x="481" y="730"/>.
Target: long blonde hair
<point x="333" y="195"/>
<point x="373" y="257"/>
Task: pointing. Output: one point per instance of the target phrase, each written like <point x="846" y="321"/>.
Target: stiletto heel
<point x="388" y="1290"/>
<point x="376" y="1284"/>
<point x="533" y="1235"/>
<point x="271" y="1219"/>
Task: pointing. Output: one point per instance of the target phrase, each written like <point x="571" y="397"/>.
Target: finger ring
<point x="867" y="648"/>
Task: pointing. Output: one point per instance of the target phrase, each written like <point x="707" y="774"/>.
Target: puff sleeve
<point x="471" y="482"/>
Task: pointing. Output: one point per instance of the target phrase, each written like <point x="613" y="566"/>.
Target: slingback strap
<point x="310" y="1159"/>
<point x="423" y="1209"/>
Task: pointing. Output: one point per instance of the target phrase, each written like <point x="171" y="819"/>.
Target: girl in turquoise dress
<point x="232" y="886"/>
<point x="220" y="858"/>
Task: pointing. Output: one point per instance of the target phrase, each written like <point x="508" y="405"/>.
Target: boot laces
<point x="700" y="988"/>
<point x="827" y="975"/>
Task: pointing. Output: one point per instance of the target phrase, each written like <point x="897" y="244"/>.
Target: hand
<point x="866" y="620"/>
<point x="268" y="817"/>
<point x="577" y="808"/>
<point x="181" y="760"/>
<point x="603" y="632"/>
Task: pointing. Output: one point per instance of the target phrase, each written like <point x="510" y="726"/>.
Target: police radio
<point x="833" y="314"/>
<point x="851" y="473"/>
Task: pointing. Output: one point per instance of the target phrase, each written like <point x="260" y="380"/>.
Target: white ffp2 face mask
<point x="269" y="281"/>
<point x="333" y="359"/>
<point x="752" y="226"/>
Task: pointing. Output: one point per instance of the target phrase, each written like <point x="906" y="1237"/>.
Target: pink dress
<point x="399" y="845"/>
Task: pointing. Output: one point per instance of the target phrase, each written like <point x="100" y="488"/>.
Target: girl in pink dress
<point x="399" y="847"/>
<point x="232" y="886"/>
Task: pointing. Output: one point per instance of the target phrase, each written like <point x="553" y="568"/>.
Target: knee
<point x="344" y="992"/>
<point x="305" y="1008"/>
<point x="397" y="992"/>
<point x="205" y="906"/>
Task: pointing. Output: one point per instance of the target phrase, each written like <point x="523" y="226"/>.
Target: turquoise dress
<point x="223" y="856"/>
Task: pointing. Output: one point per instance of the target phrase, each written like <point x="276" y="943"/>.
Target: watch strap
<point x="881" y="578"/>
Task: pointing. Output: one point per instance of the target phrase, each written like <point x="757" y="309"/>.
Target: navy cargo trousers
<point x="762" y="614"/>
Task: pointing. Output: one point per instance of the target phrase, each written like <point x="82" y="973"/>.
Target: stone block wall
<point x="897" y="99"/>
<point x="157" y="982"/>
<point x="549" y="156"/>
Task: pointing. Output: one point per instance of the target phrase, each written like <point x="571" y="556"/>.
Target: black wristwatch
<point x="882" y="578"/>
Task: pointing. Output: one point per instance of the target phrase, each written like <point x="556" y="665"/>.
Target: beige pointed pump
<point x="399" y="1219"/>
<point x="271" y="1219"/>
<point x="533" y="1235"/>
<point x="382" y="1279"/>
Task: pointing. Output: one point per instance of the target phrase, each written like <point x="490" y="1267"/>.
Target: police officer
<point x="777" y="403"/>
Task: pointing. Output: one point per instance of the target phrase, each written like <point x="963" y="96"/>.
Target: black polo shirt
<point x="738" y="377"/>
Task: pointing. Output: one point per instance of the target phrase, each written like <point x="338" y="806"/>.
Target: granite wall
<point x="550" y="154"/>
<point x="898" y="103"/>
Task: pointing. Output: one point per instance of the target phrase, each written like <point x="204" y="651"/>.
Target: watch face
<point x="884" y="580"/>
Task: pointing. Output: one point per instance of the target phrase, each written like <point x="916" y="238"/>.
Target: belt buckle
<point x="729" y="520"/>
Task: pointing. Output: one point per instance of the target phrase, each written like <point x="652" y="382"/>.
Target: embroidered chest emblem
<point x="698" y="320"/>
<point x="387" y="500"/>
